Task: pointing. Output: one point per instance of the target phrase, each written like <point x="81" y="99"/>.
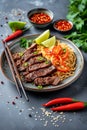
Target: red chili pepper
<point x="59" y="101"/>
<point x="14" y="35"/>
<point x="71" y="107"/>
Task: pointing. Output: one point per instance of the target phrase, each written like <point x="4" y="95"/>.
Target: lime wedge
<point x="16" y="25"/>
<point x="44" y="36"/>
<point x="49" y="42"/>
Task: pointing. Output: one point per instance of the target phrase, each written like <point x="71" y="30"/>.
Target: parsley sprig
<point x="25" y="43"/>
<point x="77" y="13"/>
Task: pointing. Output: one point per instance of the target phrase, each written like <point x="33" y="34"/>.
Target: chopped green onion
<point x="21" y="53"/>
<point x="47" y="62"/>
<point x="40" y="58"/>
<point x="40" y="86"/>
<point x="64" y="49"/>
<point x="35" y="52"/>
<point x="25" y="64"/>
<point x="25" y="43"/>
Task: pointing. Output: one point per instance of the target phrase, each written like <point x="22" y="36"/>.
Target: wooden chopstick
<point x="14" y="70"/>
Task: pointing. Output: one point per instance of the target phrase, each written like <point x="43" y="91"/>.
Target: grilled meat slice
<point x="30" y="49"/>
<point x="18" y="62"/>
<point x="16" y="56"/>
<point x="28" y="56"/>
<point x="56" y="81"/>
<point x="39" y="73"/>
<point x="30" y="52"/>
<point x="36" y="59"/>
<point x="22" y="68"/>
<point x="49" y="80"/>
<point x="39" y="66"/>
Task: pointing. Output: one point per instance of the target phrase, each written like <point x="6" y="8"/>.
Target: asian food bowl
<point x="40" y="17"/>
<point x="63" y="25"/>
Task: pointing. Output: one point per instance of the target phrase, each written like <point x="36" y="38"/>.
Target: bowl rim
<point x="62" y="20"/>
<point x="40" y="9"/>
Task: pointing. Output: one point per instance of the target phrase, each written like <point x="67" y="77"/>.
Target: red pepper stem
<point x="85" y="104"/>
<point x="75" y="100"/>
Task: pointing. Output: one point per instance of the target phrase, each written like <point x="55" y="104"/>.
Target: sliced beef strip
<point x="47" y="80"/>
<point x="39" y="73"/>
<point x="30" y="49"/>
<point x="33" y="60"/>
<point x="36" y="59"/>
<point x="22" y="68"/>
<point x="18" y="62"/>
<point x="39" y="66"/>
<point x="56" y="81"/>
<point x="28" y="56"/>
<point x="29" y="52"/>
<point x="16" y="56"/>
<point x="26" y="72"/>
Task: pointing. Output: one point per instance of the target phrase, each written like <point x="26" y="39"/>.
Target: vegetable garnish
<point x="16" y="25"/>
<point x="77" y="14"/>
<point x="39" y="86"/>
<point x="21" y="53"/>
<point x="35" y="52"/>
<point x="59" y="55"/>
<point x="15" y="35"/>
<point x="24" y="43"/>
<point x="67" y="104"/>
<point x="40" y="58"/>
<point x="71" y="107"/>
<point x="63" y="100"/>
<point x="25" y="64"/>
<point x="44" y="36"/>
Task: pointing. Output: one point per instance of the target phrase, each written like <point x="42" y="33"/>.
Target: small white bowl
<point x="40" y="10"/>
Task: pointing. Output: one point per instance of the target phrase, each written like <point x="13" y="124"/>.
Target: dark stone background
<point x="28" y="115"/>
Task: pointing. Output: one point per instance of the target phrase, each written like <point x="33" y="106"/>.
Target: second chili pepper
<point x="71" y="107"/>
<point x="15" y="34"/>
<point x="59" y="101"/>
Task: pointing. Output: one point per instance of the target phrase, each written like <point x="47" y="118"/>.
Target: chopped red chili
<point x="63" y="25"/>
<point x="40" y="18"/>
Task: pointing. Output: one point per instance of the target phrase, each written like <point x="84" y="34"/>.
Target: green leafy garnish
<point x="25" y="43"/>
<point x="77" y="13"/>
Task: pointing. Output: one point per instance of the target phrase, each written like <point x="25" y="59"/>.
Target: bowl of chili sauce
<point x="40" y="17"/>
<point x="63" y="25"/>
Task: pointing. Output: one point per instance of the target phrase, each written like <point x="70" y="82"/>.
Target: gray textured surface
<point x="16" y="117"/>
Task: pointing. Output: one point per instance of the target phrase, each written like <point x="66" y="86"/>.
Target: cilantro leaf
<point x="25" y="43"/>
<point x="77" y="13"/>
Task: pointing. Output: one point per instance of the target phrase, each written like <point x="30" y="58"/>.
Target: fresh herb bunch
<point x="77" y="13"/>
<point x="25" y="43"/>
